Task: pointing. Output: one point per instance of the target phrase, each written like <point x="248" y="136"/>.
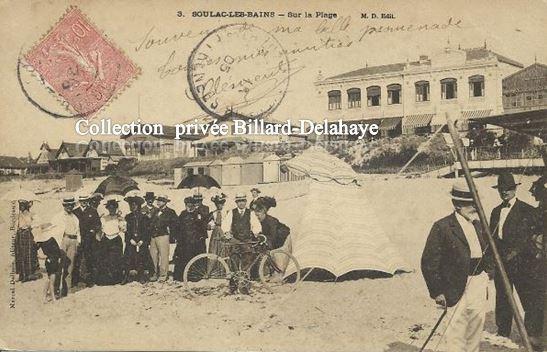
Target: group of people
<point x="80" y="245"/>
<point x="457" y="263"/>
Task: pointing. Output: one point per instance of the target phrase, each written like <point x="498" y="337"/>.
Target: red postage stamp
<point x="80" y="64"/>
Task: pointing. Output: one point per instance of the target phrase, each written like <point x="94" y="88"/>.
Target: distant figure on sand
<point x="255" y="192"/>
<point x="26" y="261"/>
<point x="454" y="265"/>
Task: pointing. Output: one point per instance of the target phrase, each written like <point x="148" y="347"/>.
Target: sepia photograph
<point x="347" y="175"/>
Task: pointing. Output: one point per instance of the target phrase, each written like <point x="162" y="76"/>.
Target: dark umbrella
<point x="119" y="185"/>
<point x="198" y="181"/>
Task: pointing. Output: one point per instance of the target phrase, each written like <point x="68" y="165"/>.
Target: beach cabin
<point x="271" y="165"/>
<point x="252" y="170"/>
<point x="231" y="171"/>
<point x="215" y="170"/>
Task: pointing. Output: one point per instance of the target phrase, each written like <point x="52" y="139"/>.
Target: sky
<point x="160" y="94"/>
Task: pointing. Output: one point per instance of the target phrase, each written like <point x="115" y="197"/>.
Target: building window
<point x="394" y="94"/>
<point x="335" y="99"/>
<point x="449" y="88"/>
<point x="476" y="86"/>
<point x="354" y="98"/>
<point x="373" y="96"/>
<point x="422" y="90"/>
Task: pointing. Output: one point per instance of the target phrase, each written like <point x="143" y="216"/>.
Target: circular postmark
<point x="238" y="69"/>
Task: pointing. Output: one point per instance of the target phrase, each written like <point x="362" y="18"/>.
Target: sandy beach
<point x="386" y="314"/>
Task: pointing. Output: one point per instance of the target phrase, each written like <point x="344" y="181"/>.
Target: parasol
<point x="116" y="185"/>
<point x="198" y="181"/>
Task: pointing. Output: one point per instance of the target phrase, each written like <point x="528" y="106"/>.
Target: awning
<point x="475" y="114"/>
<point x="390" y="123"/>
<point x="415" y="121"/>
<point x="531" y="122"/>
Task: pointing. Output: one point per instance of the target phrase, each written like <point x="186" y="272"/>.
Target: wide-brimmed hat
<point x="264" y="203"/>
<point x="149" y="195"/>
<point x="134" y="199"/>
<point x="219" y="198"/>
<point x="111" y="203"/>
<point x="240" y="196"/>
<point x="506" y="182"/>
<point x="189" y="200"/>
<point x="460" y="191"/>
<point x="69" y="201"/>
<point x="255" y="189"/>
<point x="163" y="198"/>
<point x="96" y="195"/>
<point x="83" y="198"/>
<point x="539" y="183"/>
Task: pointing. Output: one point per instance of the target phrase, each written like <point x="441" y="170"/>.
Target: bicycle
<point x="211" y="270"/>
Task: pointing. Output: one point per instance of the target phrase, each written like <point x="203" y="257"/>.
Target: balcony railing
<point x="501" y="153"/>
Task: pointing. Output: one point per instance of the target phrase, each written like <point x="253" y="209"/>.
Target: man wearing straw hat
<point x="67" y="232"/>
<point x="454" y="266"/>
<point x="164" y="224"/>
<point x="514" y="224"/>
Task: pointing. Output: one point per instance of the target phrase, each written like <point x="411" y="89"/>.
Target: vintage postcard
<point x="273" y="175"/>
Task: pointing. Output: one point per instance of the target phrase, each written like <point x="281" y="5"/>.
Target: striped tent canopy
<point x="340" y="232"/>
<point x="320" y="165"/>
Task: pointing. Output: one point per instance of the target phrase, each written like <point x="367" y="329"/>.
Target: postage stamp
<point x="80" y="64"/>
<point x="238" y="68"/>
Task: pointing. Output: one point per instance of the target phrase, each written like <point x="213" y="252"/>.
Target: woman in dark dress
<point x="109" y="259"/>
<point x="276" y="232"/>
<point x="137" y="240"/>
<point x="26" y="259"/>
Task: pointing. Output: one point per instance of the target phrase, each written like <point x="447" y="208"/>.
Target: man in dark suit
<point x="454" y="265"/>
<point x="90" y="226"/>
<point x="514" y="224"/>
<point x="203" y="212"/>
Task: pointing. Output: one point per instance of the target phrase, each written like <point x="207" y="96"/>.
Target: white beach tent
<point x="338" y="230"/>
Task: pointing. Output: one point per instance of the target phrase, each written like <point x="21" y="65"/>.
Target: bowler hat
<point x="460" y="191"/>
<point x="506" y="182"/>
<point x="149" y="195"/>
<point x="255" y="189"/>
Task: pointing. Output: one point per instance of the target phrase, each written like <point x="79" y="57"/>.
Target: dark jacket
<point x="521" y="224"/>
<point x="276" y="232"/>
<point x="90" y="223"/>
<point x="241" y="225"/>
<point x="137" y="229"/>
<point x="446" y="259"/>
<point x="190" y="228"/>
<point x="164" y="222"/>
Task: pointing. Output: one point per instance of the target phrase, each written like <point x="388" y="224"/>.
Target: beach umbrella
<point x="116" y="185"/>
<point x="193" y="181"/>
<point x="19" y="194"/>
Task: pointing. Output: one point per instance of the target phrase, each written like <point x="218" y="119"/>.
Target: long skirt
<point x="137" y="260"/>
<point x="184" y="252"/>
<point x="26" y="258"/>
<point x="109" y="261"/>
<point x="216" y="245"/>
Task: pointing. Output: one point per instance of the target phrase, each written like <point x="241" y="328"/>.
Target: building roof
<point x="74" y="150"/>
<point x="11" y="162"/>
<point x="470" y="55"/>
<point x="533" y="77"/>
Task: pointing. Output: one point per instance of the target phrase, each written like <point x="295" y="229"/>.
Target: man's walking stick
<point x="499" y="264"/>
<point x="434" y="329"/>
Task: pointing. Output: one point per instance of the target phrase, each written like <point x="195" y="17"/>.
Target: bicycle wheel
<point x="205" y="271"/>
<point x="275" y="266"/>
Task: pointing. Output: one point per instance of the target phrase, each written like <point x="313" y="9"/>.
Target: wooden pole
<point x="484" y="223"/>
